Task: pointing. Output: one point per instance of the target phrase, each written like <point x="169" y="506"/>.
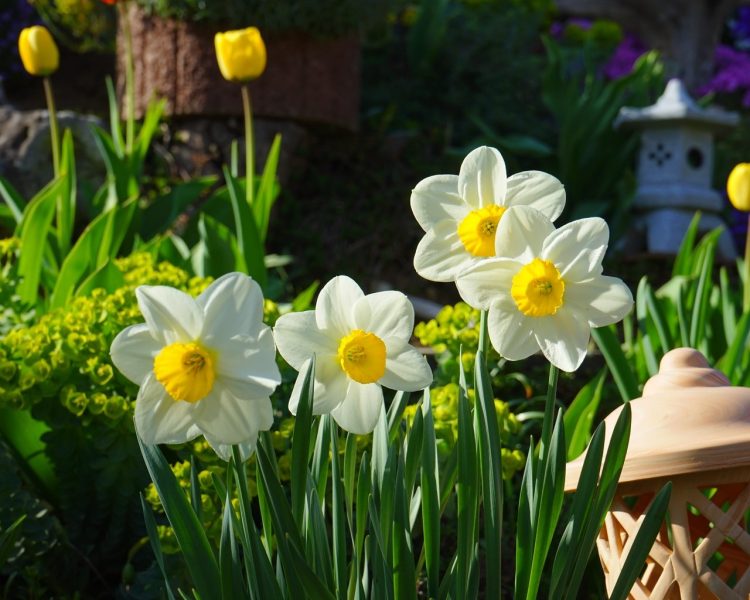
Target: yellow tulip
<point x="241" y="54"/>
<point x="38" y="51"/>
<point x="738" y="187"/>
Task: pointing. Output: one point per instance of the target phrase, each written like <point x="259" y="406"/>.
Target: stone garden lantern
<point x="692" y="428"/>
<point x="675" y="166"/>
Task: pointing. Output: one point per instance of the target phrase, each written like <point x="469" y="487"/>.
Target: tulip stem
<point x="249" y="150"/>
<point x="746" y="287"/>
<point x="129" y="79"/>
<point x="549" y="411"/>
<point x="54" y="134"/>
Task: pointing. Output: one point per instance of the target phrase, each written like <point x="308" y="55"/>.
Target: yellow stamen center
<point x="477" y="230"/>
<point x="361" y="355"/>
<point x="538" y="289"/>
<point x="185" y="370"/>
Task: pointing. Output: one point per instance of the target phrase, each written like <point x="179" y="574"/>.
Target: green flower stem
<point x="746" y="289"/>
<point x="241" y="480"/>
<point x="483" y="335"/>
<point x="54" y="133"/>
<point x="549" y="411"/>
<point x="129" y="79"/>
<point x="249" y="151"/>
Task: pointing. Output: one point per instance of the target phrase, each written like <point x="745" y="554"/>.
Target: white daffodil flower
<point x="204" y="365"/>
<point x="360" y="343"/>
<point x="545" y="290"/>
<point x="460" y="214"/>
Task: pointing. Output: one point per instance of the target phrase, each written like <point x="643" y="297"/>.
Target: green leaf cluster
<point x="445" y="405"/>
<point x="700" y="307"/>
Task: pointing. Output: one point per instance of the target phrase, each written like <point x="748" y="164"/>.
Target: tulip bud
<point x="738" y="187"/>
<point x="38" y="51"/>
<point x="241" y="54"/>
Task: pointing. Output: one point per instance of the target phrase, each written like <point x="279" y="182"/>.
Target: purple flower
<point x="731" y="74"/>
<point x="622" y="60"/>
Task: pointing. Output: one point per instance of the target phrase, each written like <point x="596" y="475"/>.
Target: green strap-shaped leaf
<point x="301" y="442"/>
<point x="491" y="475"/>
<point x="246" y="230"/>
<point x="626" y="382"/>
<point x="15" y="202"/>
<point x="230" y="566"/>
<point x="153" y="537"/>
<point x="33" y="231"/>
<point x="703" y="291"/>
<point x="100" y="241"/>
<point x="644" y="540"/>
<point x="731" y="362"/>
<point x="188" y="530"/>
<point x="66" y="201"/>
<point x="580" y="415"/>
<point x="268" y="190"/>
<point x="338" y="513"/>
<point x="466" y="498"/>
<point x="430" y="499"/>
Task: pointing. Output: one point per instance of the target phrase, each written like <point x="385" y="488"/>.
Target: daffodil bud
<point x="38" y="51"/>
<point x="241" y="54"/>
<point x="738" y="187"/>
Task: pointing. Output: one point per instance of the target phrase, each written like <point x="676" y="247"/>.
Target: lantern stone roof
<point x="689" y="420"/>
<point x="675" y="106"/>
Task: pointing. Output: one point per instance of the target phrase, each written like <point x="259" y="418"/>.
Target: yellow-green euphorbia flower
<point x="738" y="187"/>
<point x="241" y="54"/>
<point x="38" y="51"/>
<point x="545" y="289"/>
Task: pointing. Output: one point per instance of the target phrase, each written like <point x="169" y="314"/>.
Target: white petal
<point x="172" y="315"/>
<point x="521" y="233"/>
<point x="600" y="300"/>
<point x="487" y="282"/>
<point x="482" y="178"/>
<point x="133" y="352"/>
<point x="224" y="417"/>
<point x="441" y="255"/>
<point x="510" y="333"/>
<point x="538" y="190"/>
<point x="333" y="311"/>
<point x="232" y="305"/>
<point x="436" y="199"/>
<point x="161" y="420"/>
<point x="359" y="411"/>
<point x="563" y="338"/>
<point x="389" y="315"/>
<point x="224" y="451"/>
<point x="577" y="248"/>
<point x="406" y="370"/>
<point x="298" y="338"/>
<point x="247" y="366"/>
<point x="329" y="386"/>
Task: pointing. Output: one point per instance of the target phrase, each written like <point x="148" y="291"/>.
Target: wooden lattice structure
<point x="693" y="429"/>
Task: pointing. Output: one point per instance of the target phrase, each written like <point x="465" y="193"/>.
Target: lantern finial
<point x="683" y="368"/>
